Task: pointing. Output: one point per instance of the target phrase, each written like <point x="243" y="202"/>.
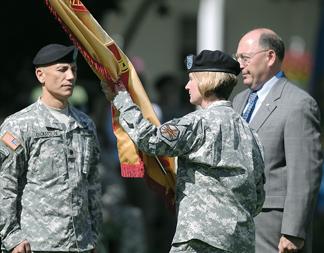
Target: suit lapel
<point x="268" y="105"/>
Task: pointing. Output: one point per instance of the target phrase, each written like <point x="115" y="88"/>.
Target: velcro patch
<point x="10" y="140"/>
<point x="170" y="132"/>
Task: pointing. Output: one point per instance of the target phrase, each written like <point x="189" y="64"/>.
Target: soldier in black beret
<point x="50" y="194"/>
<point x="55" y="69"/>
<point x="220" y="160"/>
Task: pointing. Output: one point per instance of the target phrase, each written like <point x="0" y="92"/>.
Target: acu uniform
<point x="49" y="182"/>
<point x="220" y="171"/>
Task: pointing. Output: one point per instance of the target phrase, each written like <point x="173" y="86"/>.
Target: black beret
<point x="212" y="61"/>
<point x="54" y="53"/>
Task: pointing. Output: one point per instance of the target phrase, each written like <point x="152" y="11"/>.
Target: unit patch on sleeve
<point x="10" y="140"/>
<point x="169" y="132"/>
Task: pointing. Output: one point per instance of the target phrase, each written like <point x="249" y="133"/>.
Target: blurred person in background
<point x="287" y="121"/>
<point x="50" y="192"/>
<point x="220" y="163"/>
<point x="169" y="97"/>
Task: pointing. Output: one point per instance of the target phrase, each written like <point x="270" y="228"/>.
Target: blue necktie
<point x="253" y="97"/>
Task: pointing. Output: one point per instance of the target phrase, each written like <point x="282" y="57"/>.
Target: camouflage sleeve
<point x="94" y="194"/>
<point x="11" y="184"/>
<point x="258" y="164"/>
<point x="174" y="138"/>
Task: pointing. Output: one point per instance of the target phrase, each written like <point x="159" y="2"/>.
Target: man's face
<point x="253" y="61"/>
<point x="57" y="80"/>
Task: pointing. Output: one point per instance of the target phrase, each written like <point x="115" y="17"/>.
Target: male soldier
<point x="49" y="186"/>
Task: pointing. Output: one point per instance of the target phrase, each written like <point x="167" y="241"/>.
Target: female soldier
<point x="220" y="160"/>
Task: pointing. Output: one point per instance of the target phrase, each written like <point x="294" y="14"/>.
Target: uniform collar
<point x="76" y="121"/>
<point x="220" y="103"/>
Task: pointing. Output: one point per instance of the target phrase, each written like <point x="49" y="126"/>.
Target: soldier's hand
<point x="108" y="90"/>
<point x="289" y="244"/>
<point x="111" y="89"/>
<point x="23" y="247"/>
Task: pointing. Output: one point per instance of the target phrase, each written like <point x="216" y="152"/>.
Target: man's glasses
<point x="246" y="58"/>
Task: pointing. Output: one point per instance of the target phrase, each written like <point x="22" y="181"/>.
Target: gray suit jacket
<point x="288" y="124"/>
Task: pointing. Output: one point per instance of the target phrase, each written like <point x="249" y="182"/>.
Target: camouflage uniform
<point x="49" y="186"/>
<point x="195" y="246"/>
<point x="220" y="171"/>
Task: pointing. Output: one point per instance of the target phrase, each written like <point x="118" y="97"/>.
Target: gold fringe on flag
<point x="111" y="65"/>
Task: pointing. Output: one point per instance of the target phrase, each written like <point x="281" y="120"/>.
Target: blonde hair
<point x="219" y="84"/>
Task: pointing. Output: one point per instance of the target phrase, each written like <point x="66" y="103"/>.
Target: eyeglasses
<point x="246" y="58"/>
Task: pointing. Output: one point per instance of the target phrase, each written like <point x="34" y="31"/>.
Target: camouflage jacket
<point x="220" y="171"/>
<point x="49" y="184"/>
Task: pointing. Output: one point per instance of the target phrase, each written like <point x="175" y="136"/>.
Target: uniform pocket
<point x="48" y="158"/>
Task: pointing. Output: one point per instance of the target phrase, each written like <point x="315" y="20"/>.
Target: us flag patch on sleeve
<point x="10" y="140"/>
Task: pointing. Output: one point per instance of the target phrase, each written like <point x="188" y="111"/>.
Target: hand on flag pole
<point x="110" y="89"/>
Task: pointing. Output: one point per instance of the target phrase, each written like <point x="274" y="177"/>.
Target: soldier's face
<point x="57" y="80"/>
<point x="192" y="87"/>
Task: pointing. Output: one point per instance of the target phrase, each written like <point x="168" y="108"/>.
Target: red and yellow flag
<point x="110" y="64"/>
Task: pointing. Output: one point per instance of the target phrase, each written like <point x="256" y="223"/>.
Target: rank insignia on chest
<point x="170" y="132"/>
<point x="10" y="140"/>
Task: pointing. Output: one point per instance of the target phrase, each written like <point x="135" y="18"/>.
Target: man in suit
<point x="287" y="121"/>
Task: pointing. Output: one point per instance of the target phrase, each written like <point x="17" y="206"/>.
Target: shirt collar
<point x="265" y="89"/>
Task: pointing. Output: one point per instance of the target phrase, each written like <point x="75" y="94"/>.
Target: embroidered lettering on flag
<point x="170" y="132"/>
<point x="10" y="140"/>
<point x="78" y="6"/>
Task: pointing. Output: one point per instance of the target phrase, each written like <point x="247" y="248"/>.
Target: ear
<point x="39" y="72"/>
<point x="272" y="56"/>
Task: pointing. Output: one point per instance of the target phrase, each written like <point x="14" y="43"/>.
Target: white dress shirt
<point x="262" y="93"/>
